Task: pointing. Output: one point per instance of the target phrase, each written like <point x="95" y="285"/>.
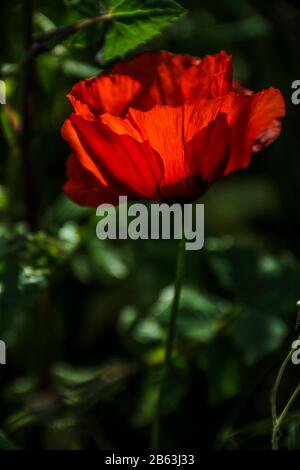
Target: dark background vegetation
<point x="84" y="321"/>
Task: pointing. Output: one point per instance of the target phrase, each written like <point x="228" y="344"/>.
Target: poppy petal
<point x="163" y="128"/>
<point x="211" y="138"/>
<point x="208" y="152"/>
<point x="84" y="188"/>
<point x="238" y="125"/>
<point x="254" y="120"/>
<point x="177" y="79"/>
<point x="104" y="94"/>
<point x="166" y="127"/>
<point x="131" y="167"/>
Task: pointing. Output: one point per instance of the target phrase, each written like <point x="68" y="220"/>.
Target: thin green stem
<point x="155" y="432"/>
<point x="277" y="421"/>
<point x="11" y="131"/>
<point x="277" y="384"/>
<point x="283" y="414"/>
<point x="49" y="40"/>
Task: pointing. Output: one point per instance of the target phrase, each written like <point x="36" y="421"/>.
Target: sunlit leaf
<point x="135" y="22"/>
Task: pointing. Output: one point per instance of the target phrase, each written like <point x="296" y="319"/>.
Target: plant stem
<point x="276" y="386"/>
<point x="282" y="416"/>
<point x="27" y="105"/>
<point x="155" y="432"/>
<point x="11" y="131"/>
<point x="47" y="41"/>
<point x="275" y="420"/>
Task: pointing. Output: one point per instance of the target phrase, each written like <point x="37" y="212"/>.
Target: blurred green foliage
<point x="85" y="321"/>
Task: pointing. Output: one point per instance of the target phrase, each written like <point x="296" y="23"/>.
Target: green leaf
<point x="257" y="279"/>
<point x="258" y="333"/>
<point x="26" y="263"/>
<point x="135" y="22"/>
<point x="223" y="369"/>
<point x="200" y="317"/>
<point x="107" y="260"/>
<point x="5" y="443"/>
<point x="176" y="389"/>
<point x="79" y="69"/>
<point x="43" y="22"/>
<point x="145" y="331"/>
<point x="266" y="288"/>
<point x="64" y="210"/>
<point x="87" y="38"/>
<point x="86" y="7"/>
<point x="71" y="376"/>
<point x="84" y="387"/>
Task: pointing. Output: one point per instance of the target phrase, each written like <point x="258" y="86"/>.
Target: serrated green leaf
<point x="135" y="22"/>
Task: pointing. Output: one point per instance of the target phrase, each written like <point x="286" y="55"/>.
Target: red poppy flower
<point x="164" y="127"/>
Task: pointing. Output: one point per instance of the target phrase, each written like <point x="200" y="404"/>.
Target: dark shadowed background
<point x="84" y="321"/>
